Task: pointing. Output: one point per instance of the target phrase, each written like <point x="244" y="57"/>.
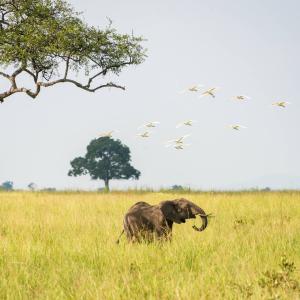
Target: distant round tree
<point x="105" y="159"/>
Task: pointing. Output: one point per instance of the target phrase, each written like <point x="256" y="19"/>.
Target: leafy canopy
<point x="105" y="159"/>
<point x="48" y="41"/>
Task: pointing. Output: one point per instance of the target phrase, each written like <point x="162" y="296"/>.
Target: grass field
<point x="62" y="246"/>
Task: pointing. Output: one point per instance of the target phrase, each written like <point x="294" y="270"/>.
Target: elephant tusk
<point x="208" y="215"/>
<point x="196" y="228"/>
<point x="204" y="223"/>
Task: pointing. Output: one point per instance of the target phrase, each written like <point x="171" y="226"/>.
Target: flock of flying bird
<point x="179" y="143"/>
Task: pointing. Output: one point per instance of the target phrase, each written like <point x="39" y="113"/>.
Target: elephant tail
<point x="118" y="240"/>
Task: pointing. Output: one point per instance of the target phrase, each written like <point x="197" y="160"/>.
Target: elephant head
<point x="181" y="209"/>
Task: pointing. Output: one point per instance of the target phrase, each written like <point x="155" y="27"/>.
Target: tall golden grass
<point x="62" y="246"/>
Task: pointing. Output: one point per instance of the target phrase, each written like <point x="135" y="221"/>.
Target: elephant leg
<point x="163" y="233"/>
<point x="130" y="228"/>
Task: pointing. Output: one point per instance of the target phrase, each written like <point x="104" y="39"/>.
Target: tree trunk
<point x="106" y="181"/>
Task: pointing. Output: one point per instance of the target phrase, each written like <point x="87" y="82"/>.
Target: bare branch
<point x="104" y="71"/>
<point x="4" y="75"/>
<point x="34" y="76"/>
<point x="78" y="84"/>
<point x="67" y="67"/>
<point x="18" y="71"/>
<point x="33" y="94"/>
<point x="13" y="77"/>
<point x="109" y="84"/>
<point x="2" y="19"/>
<point x="14" y="90"/>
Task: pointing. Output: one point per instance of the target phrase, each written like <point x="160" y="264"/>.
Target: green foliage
<point x="273" y="281"/>
<point x="241" y="222"/>
<point x="274" y="284"/>
<point x="45" y="37"/>
<point x="243" y="290"/>
<point x="105" y="159"/>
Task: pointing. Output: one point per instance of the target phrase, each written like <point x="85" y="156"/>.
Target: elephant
<point x="145" y="222"/>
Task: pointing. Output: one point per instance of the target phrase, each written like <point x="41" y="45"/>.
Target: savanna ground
<point x="62" y="246"/>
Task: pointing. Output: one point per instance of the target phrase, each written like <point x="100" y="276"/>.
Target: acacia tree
<point x="47" y="40"/>
<point x="105" y="159"/>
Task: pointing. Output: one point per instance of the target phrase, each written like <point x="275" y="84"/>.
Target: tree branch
<point x="104" y="71"/>
<point x="67" y="68"/>
<point x="14" y="75"/>
<point x="78" y="84"/>
<point x="18" y="71"/>
<point x="4" y="75"/>
<point x="2" y="20"/>
<point x="33" y="94"/>
<point x="14" y="89"/>
<point x="34" y="76"/>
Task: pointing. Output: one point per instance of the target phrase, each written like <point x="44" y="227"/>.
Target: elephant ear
<point x="168" y="209"/>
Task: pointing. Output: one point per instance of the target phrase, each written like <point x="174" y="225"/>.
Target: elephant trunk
<point x="204" y="217"/>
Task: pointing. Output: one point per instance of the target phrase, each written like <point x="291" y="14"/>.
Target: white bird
<point x="180" y="146"/>
<point x="186" y="123"/>
<point x="236" y="126"/>
<point x="177" y="141"/>
<point x="150" y="124"/>
<point x="107" y="134"/>
<point x="192" y="88"/>
<point x="210" y="92"/>
<point x="281" y="103"/>
<point x="241" y="98"/>
<point x="145" y="134"/>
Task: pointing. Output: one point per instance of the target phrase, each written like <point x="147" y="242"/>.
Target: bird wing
<point x="183" y="137"/>
<point x="203" y="94"/>
<point x="212" y="89"/>
<point x="283" y="103"/>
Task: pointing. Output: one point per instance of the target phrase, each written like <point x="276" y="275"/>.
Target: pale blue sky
<point x="244" y="47"/>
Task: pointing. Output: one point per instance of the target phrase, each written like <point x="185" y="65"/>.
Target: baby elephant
<point x="145" y="222"/>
